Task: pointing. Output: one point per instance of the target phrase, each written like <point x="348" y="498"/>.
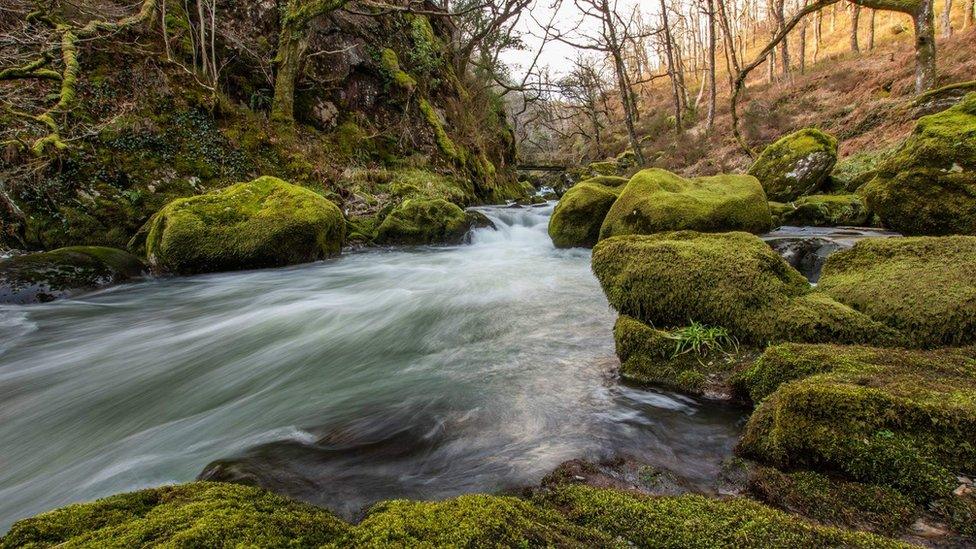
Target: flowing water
<point x="421" y="373"/>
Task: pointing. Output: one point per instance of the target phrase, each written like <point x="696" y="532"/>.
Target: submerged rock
<point x="577" y="218"/>
<point x="263" y="223"/>
<point x="928" y="185"/>
<point x="806" y="249"/>
<point x="731" y="280"/>
<point x="423" y="221"/>
<point x="796" y="164"/>
<point x="896" y="418"/>
<point x="46" y="276"/>
<point x="924" y="287"/>
<point x="655" y="200"/>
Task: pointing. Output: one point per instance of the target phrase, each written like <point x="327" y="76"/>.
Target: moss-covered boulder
<point x="577" y="218"/>
<point x="825" y="210"/>
<point x="924" y="287"/>
<point x="470" y="521"/>
<point x="263" y="223"/>
<point x="427" y="221"/>
<point x="897" y="418"/>
<point x="656" y="200"/>
<point x="729" y="280"/>
<point x="200" y="514"/>
<point x="697" y="521"/>
<point x="833" y="501"/>
<point x="694" y="359"/>
<point x="796" y="164"/>
<point x="46" y="276"/>
<point x="928" y="185"/>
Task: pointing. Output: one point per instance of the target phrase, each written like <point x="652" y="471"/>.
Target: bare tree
<point x="947" y="19"/>
<point x="855" y="19"/>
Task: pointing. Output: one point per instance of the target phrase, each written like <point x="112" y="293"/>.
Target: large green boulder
<point x="262" y="223"/>
<point x="427" y="221"/>
<point x="796" y="164"/>
<point x="729" y="280"/>
<point x="471" y="521"/>
<point x="46" y="276"/>
<point x="898" y="418"/>
<point x="577" y="218"/>
<point x="928" y="185"/>
<point x="656" y="200"/>
<point x="924" y="287"/>
<point x="694" y="521"/>
<point x="825" y="210"/>
<point x="200" y="514"/>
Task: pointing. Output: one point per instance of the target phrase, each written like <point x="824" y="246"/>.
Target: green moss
<point x="796" y="164"/>
<point x="201" y="514"/>
<point x="825" y="210"/>
<point x="835" y="502"/>
<point x="852" y="172"/>
<point x="425" y="221"/>
<point x="656" y="357"/>
<point x="426" y="55"/>
<point x="444" y="141"/>
<point x="897" y="418"/>
<point x="927" y="186"/>
<point x="696" y="521"/>
<point x="925" y="287"/>
<point x="263" y="223"/>
<point x="733" y="280"/>
<point x="469" y="521"/>
<point x="608" y="167"/>
<point x="577" y="218"/>
<point x="46" y="276"/>
<point x="391" y="66"/>
<point x="656" y="200"/>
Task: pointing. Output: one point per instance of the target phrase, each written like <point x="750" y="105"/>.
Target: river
<point x="422" y="373"/>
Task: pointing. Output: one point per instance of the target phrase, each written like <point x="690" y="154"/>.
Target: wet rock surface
<point x="807" y="248"/>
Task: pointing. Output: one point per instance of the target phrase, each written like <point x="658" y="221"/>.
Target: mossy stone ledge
<point x="577" y="218"/>
<point x="729" y="280"/>
<point x="427" y="221"/>
<point x="796" y="164"/>
<point x="656" y="200"/>
<point x="825" y="210"/>
<point x="924" y="287"/>
<point x="262" y="223"/>
<point x="927" y="186"/>
<point x="46" y="276"/>
<point x="892" y="417"/>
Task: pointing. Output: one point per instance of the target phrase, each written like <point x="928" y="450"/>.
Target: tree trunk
<point x="969" y="17"/>
<point x="672" y="68"/>
<point x="803" y="48"/>
<point x="924" y="22"/>
<point x="871" y="30"/>
<point x="947" y="19"/>
<point x="855" y="19"/>
<point x="817" y="35"/>
<point x="710" y="76"/>
<point x="291" y="47"/>
<point x="771" y="68"/>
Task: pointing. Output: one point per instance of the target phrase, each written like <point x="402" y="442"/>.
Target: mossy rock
<point x="200" y="514"/>
<point x="796" y="164"/>
<point x="924" y="287"/>
<point x="892" y="417"/>
<point x="656" y="200"/>
<point x="46" y="276"/>
<point x="697" y="521"/>
<point x="928" y="185"/>
<point x="833" y="501"/>
<point x="427" y="221"/>
<point x="577" y="218"/>
<point x="470" y="521"/>
<point x="263" y="223"/>
<point x="649" y="356"/>
<point x="731" y="280"/>
<point x="825" y="210"/>
<point x="777" y="210"/>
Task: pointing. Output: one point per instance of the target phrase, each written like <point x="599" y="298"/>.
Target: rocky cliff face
<point x="377" y="95"/>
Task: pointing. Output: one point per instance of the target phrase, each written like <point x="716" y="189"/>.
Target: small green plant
<point x="701" y="339"/>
